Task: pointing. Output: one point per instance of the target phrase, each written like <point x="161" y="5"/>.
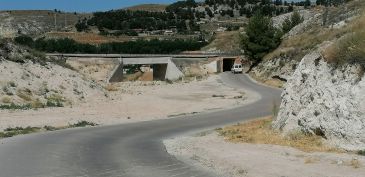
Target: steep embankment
<point x="320" y="24"/>
<point x="325" y="94"/>
<point x="29" y="80"/>
<point x="325" y="101"/>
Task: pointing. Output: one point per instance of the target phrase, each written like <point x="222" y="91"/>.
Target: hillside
<point x="321" y="63"/>
<point x="30" y="80"/>
<point x="225" y="42"/>
<point x="36" y="22"/>
<point x="148" y="7"/>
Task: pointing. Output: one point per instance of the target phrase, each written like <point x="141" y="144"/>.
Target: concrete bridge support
<point x="163" y="68"/>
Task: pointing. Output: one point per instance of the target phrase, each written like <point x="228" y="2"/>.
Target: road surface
<point x="128" y="150"/>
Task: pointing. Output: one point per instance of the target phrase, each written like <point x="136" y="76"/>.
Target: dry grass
<point x="6" y="100"/>
<point x="269" y="82"/>
<point x="350" y="48"/>
<point x="225" y="41"/>
<point x="260" y="132"/>
<point x="354" y="163"/>
<point x="25" y="94"/>
<point x="298" y="46"/>
<point x="310" y="160"/>
<point x="111" y="88"/>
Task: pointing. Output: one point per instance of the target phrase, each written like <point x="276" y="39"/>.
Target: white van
<point x="237" y="68"/>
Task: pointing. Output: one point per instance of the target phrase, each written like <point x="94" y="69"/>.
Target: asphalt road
<point x="128" y="150"/>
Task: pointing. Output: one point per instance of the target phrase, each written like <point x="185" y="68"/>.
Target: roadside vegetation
<point x="296" y="47"/>
<point x="260" y="132"/>
<point x="351" y="47"/>
<point x="10" y="132"/>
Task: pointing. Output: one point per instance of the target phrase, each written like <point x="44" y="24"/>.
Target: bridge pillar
<point x="118" y="73"/>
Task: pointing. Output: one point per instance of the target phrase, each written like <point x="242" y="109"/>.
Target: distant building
<point x="169" y="33"/>
<point x="221" y="29"/>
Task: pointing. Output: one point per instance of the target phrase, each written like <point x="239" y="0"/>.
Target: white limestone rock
<point x="326" y="101"/>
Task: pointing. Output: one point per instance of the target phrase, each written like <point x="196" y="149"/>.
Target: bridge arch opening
<point x="228" y="63"/>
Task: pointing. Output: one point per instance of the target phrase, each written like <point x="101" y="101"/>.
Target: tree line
<point x="181" y="15"/>
<point x="123" y="21"/>
<point x="67" y="45"/>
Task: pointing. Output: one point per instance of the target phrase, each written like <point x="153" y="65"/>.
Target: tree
<point x="294" y="20"/>
<point x="24" y="40"/>
<point x="260" y="38"/>
<point x="209" y="12"/>
<point x="307" y="3"/>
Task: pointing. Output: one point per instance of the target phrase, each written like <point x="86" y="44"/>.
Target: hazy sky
<point x="74" y="5"/>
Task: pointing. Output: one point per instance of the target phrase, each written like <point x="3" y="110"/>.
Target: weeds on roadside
<point x="13" y="106"/>
<point x="10" y="132"/>
<point x="83" y="124"/>
<point x="261" y="132"/>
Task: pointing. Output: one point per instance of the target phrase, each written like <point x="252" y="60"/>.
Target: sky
<point x="74" y="5"/>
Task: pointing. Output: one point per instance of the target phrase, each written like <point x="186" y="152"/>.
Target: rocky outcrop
<point x="307" y="15"/>
<point x="279" y="68"/>
<point x="327" y="101"/>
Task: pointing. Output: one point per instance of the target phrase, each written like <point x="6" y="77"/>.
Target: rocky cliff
<point x="325" y="100"/>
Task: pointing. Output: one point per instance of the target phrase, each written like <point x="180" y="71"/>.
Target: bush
<point x="350" y="48"/>
<point x="24" y="40"/>
<point x="361" y="152"/>
<point x="10" y="132"/>
<point x="55" y="100"/>
<point x="290" y="23"/>
<point x="13" y="106"/>
<point x="83" y="124"/>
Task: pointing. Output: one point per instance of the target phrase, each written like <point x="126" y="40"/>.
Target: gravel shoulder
<point x="210" y="151"/>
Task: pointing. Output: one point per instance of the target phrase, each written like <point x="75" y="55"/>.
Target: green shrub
<point x="55" y="100"/>
<point x="10" y="132"/>
<point x="50" y="128"/>
<point x="292" y="21"/>
<point x="13" y="106"/>
<point x="361" y="152"/>
<point x="83" y="124"/>
<point x="24" y="40"/>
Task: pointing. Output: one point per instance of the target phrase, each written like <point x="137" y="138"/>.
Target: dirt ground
<point x="210" y="151"/>
<point x="124" y="102"/>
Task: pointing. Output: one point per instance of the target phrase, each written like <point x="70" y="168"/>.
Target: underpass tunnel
<point x="145" y="72"/>
<point x="159" y="72"/>
<point x="227" y="64"/>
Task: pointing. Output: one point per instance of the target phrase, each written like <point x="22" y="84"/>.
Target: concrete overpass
<point x="165" y="66"/>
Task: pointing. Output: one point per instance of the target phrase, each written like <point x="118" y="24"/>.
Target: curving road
<point x="128" y="150"/>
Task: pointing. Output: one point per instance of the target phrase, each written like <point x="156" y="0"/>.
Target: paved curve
<point x="129" y="150"/>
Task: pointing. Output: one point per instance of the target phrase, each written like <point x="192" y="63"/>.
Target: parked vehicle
<point x="237" y="68"/>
